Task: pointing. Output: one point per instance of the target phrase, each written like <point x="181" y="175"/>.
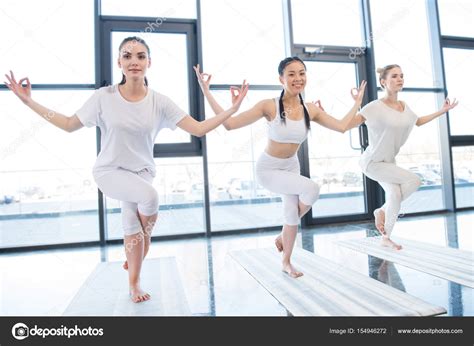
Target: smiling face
<point x="294" y="77"/>
<point x="393" y="80"/>
<point x="134" y="61"/>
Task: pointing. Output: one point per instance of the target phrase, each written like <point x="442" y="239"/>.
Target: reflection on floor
<point x="44" y="283"/>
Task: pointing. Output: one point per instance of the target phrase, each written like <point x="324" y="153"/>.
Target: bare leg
<point x="302" y="210"/>
<point x="288" y="237"/>
<point x="145" y="220"/>
<point x="279" y="242"/>
<point x="386" y="241"/>
<point x="134" y="246"/>
<point x="379" y="215"/>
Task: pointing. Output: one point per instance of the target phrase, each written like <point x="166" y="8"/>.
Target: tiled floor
<point x="43" y="283"/>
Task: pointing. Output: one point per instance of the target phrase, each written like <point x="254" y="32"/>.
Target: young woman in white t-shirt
<point x="129" y="115"/>
<point x="389" y="122"/>
<point x="288" y="120"/>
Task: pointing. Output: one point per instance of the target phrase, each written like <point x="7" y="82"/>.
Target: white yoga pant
<point x="283" y="176"/>
<point x="135" y="192"/>
<point x="398" y="184"/>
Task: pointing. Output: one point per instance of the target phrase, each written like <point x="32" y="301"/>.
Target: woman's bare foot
<point x="137" y="294"/>
<point x="390" y="243"/>
<point x="291" y="271"/>
<point x="379" y="215"/>
<point x="279" y="243"/>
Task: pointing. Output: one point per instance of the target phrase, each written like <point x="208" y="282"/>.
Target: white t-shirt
<point x="128" y="129"/>
<point x="388" y="130"/>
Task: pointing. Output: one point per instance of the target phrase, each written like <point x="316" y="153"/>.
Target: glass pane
<point x="421" y="155"/>
<point x="51" y="41"/>
<point x="47" y="193"/>
<point x="458" y="65"/>
<point x="147" y="8"/>
<point x="168" y="73"/>
<point x="237" y="201"/>
<point x="456" y="17"/>
<point x="333" y="162"/>
<point x="335" y="23"/>
<point x="259" y="25"/>
<point x="401" y="36"/>
<point x="463" y="167"/>
<point x="179" y="184"/>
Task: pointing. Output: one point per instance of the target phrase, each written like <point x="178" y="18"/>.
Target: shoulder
<point x="107" y="90"/>
<point x="266" y="107"/>
<point x="155" y="94"/>
<point x="160" y="99"/>
<point x="375" y="104"/>
<point x="404" y="104"/>
<point x="313" y="110"/>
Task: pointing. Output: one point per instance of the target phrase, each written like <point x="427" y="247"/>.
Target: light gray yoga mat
<point x="327" y="288"/>
<point x="105" y="292"/>
<point x="447" y="263"/>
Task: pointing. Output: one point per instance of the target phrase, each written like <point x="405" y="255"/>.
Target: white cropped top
<point x="293" y="131"/>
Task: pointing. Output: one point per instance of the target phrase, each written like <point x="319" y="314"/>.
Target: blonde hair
<point x="384" y="71"/>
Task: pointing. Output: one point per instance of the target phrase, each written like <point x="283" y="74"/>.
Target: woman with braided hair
<point x="288" y="119"/>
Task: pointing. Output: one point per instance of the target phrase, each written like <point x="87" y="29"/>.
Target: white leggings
<point x="135" y="192"/>
<point x="398" y="184"/>
<point x="283" y="176"/>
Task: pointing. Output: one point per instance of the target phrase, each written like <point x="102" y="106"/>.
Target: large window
<point x="237" y="200"/>
<point x="396" y="42"/>
<point x="458" y="65"/>
<point x="51" y="41"/>
<point x="456" y="17"/>
<point x="334" y="23"/>
<point x="333" y="158"/>
<point x="238" y="36"/>
<point x="145" y="8"/>
<point x="463" y="167"/>
<point x="47" y="193"/>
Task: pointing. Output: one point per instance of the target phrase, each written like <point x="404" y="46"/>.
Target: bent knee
<point x="417" y="181"/>
<point x="150" y="203"/>
<point x="311" y="193"/>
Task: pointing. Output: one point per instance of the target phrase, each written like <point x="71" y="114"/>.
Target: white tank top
<point x="293" y="131"/>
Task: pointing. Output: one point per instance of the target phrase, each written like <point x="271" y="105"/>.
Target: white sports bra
<point x="293" y="131"/>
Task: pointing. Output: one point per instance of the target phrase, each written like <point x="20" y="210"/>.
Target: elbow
<point x="69" y="129"/>
<point x="199" y="134"/>
<point x="228" y="127"/>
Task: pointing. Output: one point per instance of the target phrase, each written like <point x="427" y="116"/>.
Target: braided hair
<point x="281" y="69"/>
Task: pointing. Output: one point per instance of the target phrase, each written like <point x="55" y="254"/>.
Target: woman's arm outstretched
<point x="240" y="120"/>
<point x="200" y="128"/>
<point x="350" y="120"/>
<point x="448" y="105"/>
<point x="23" y="92"/>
